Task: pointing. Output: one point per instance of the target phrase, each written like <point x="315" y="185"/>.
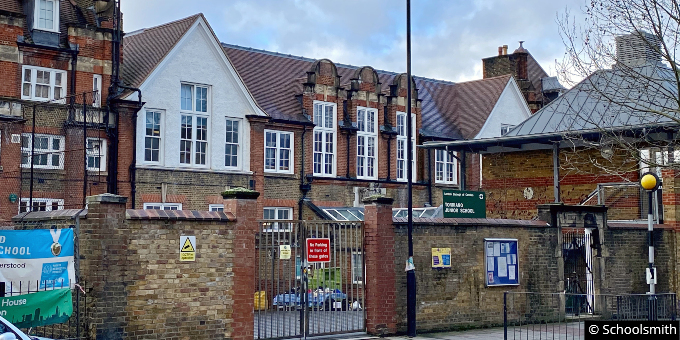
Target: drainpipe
<point x="133" y="165"/>
<point x="304" y="188"/>
<point x="429" y="176"/>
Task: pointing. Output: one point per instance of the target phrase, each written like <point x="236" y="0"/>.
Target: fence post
<point x="505" y="315"/>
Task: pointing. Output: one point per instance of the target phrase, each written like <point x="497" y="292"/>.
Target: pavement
<point x="475" y="334"/>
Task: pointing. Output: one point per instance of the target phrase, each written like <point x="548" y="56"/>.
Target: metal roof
<point x="618" y="99"/>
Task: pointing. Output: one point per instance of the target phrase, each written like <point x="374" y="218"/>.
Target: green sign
<point x="38" y="309"/>
<point x="464" y="204"/>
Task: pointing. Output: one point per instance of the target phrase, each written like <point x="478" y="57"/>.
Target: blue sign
<point x="500" y="255"/>
<point x="43" y="257"/>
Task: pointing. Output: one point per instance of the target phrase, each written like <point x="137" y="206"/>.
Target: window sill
<point x="191" y="169"/>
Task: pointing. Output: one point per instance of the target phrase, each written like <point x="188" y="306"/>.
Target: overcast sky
<point x="449" y="37"/>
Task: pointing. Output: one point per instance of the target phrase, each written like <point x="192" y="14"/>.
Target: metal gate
<point x="332" y="292"/>
<point x="578" y="274"/>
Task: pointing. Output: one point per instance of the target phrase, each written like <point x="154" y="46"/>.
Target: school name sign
<point x="464" y="204"/>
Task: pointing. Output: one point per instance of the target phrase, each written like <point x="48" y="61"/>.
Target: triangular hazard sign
<point x="188" y="247"/>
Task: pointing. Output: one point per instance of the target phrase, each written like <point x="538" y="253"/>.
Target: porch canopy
<point x="620" y="104"/>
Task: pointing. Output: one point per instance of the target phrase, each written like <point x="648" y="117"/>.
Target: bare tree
<point x="621" y="59"/>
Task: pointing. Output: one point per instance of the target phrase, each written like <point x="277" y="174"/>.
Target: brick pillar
<point x="381" y="289"/>
<point x="244" y="207"/>
<point x="102" y="243"/>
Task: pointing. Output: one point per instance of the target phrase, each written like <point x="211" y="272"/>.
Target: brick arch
<point x="366" y="79"/>
<point x="324" y="72"/>
<point x="399" y="86"/>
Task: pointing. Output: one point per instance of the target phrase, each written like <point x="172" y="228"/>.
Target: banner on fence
<point x="40" y="259"/>
<point x="38" y="309"/>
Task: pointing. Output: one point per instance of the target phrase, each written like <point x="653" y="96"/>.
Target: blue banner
<point x="37" y="259"/>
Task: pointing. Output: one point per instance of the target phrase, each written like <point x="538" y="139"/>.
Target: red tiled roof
<point x="460" y="109"/>
<point x="449" y="110"/>
<point x="535" y="73"/>
<point x="144" y="49"/>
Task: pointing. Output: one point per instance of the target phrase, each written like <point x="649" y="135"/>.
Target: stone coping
<point x="631" y="225"/>
<point x="179" y="215"/>
<point x="495" y="222"/>
<point x="64" y="214"/>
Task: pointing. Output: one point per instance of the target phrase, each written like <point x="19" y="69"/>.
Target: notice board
<point x="501" y="262"/>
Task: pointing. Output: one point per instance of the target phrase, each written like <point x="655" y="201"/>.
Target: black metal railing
<point x="74" y="328"/>
<point x="562" y="315"/>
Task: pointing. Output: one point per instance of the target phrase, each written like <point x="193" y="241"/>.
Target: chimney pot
<point x="505" y="49"/>
<point x="500" y="50"/>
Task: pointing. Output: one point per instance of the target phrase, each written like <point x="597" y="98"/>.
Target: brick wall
<point x="457" y="297"/>
<point x="507" y="175"/>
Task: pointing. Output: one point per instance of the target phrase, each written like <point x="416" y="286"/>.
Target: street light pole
<point x="650" y="182"/>
<point x="410" y="269"/>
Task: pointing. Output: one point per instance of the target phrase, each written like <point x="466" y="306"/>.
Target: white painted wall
<point x="511" y="108"/>
<point x="197" y="58"/>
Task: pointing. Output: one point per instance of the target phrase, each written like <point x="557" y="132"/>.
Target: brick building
<point x="537" y="87"/>
<point x="590" y="145"/>
<point x="55" y="61"/>
<point x="311" y="134"/>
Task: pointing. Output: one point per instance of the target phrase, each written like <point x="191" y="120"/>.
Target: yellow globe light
<point x="649" y="181"/>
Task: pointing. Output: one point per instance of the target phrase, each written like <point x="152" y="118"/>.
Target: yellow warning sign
<point x="187" y="248"/>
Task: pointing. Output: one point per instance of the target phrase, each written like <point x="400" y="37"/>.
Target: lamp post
<point x="650" y="182"/>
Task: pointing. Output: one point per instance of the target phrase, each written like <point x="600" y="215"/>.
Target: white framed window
<point x="152" y="136"/>
<point x="505" y="128"/>
<point x="232" y="143"/>
<point x="445" y="167"/>
<point x="216" y="207"/>
<point x="163" y="206"/>
<point x="357" y="267"/>
<point x="97" y="90"/>
<point x="278" y="151"/>
<point x="43" y="84"/>
<point x="41" y="204"/>
<point x="275" y="213"/>
<point x="49" y="151"/>
<point x="193" y="144"/>
<point x="46" y="15"/>
<point x="194" y="98"/>
<point x="367" y="143"/>
<point x="194" y="106"/>
<point x="402" y="138"/>
<point x="96" y="154"/>
<point x="324" y="139"/>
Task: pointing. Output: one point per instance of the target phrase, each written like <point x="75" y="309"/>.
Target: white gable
<point x="510" y="109"/>
<point x="197" y="59"/>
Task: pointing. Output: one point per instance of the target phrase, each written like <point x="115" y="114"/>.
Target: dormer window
<point x="46" y="15"/>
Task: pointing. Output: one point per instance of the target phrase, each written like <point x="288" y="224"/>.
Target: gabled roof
<point x="608" y="99"/>
<point x="450" y="110"/>
<point x="460" y="109"/>
<point x="144" y="49"/>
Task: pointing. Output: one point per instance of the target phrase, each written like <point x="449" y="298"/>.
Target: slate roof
<point x="607" y="99"/>
<point x="144" y="49"/>
<point x="450" y="110"/>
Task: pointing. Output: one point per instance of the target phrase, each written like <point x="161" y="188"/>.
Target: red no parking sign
<point x="318" y="250"/>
